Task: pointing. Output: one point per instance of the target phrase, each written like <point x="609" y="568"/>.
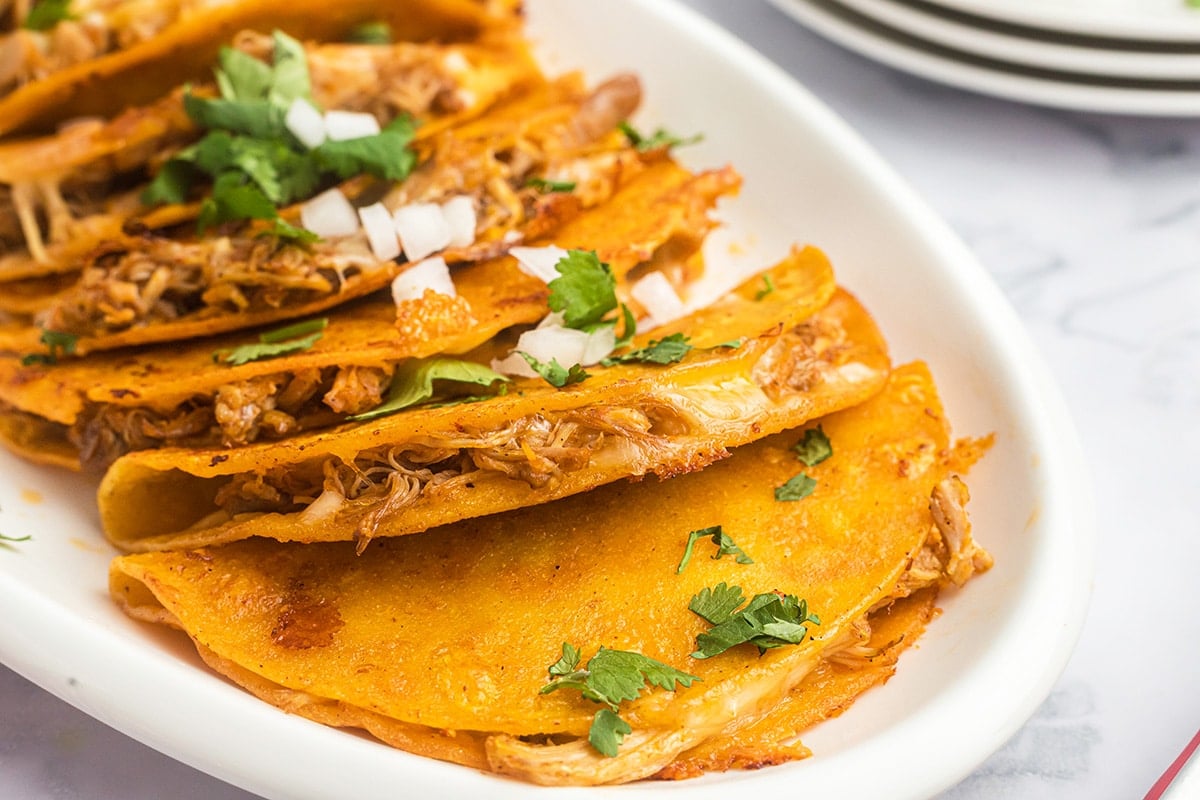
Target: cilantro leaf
<point x="59" y="343"/>
<point x="716" y="605"/>
<point x="370" y="33"/>
<point x="814" y="447"/>
<point x="233" y="199"/>
<point x="292" y="331"/>
<point x="413" y="382"/>
<point x="543" y="185"/>
<point x="287" y="232"/>
<point x="668" y="350"/>
<point x="585" y="289"/>
<point x="797" y="487"/>
<point x="257" y="118"/>
<point x="769" y="620"/>
<point x="607" y="732"/>
<point x="555" y="373"/>
<point x="289" y="75"/>
<point x="241" y="76"/>
<point x="385" y="155"/>
<point x="610" y="678"/>
<point x="768" y="288"/>
<point x="172" y="183"/>
<point x="568" y="662"/>
<point x="45" y="14"/>
<point x="725" y="546"/>
<point x="661" y="138"/>
<point x="281" y="341"/>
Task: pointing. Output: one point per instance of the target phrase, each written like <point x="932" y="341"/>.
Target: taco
<point x="741" y="369"/>
<point x="102" y="406"/>
<point x="64" y="194"/>
<point x="470" y="643"/>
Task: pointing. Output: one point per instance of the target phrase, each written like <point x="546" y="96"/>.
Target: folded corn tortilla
<point x="439" y="643"/>
<point x="795" y="357"/>
<point x="113" y="402"/>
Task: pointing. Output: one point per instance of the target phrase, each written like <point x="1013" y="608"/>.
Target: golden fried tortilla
<point x="795" y="358"/>
<point x="112" y="402"/>
<point x="440" y="642"/>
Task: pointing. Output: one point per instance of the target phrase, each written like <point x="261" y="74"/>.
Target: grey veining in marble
<point x="1091" y="226"/>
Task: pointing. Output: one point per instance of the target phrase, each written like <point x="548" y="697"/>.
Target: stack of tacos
<point x="383" y="347"/>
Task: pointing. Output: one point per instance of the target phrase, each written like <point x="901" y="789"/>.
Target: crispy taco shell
<point x="428" y="466"/>
<point x="440" y="642"/>
<point x="113" y="402"/>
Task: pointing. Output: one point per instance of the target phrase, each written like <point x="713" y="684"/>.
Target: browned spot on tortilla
<point x="305" y="622"/>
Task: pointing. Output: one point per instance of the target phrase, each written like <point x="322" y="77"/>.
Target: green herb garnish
<point x="668" y="350"/>
<point x="814" y="447"/>
<point x="5" y="538"/>
<point x="254" y="163"/>
<point x="796" y="488"/>
<point x="611" y="677"/>
<point x="768" y="620"/>
<point x="584" y="291"/>
<point x="543" y="185"/>
<point x="555" y="373"/>
<point x="768" y="288"/>
<point x="370" y="33"/>
<point x="659" y="139"/>
<point x="413" y="382"/>
<point x="279" y="342"/>
<point x="45" y="14"/>
<point x="725" y="546"/>
<point x="57" y="342"/>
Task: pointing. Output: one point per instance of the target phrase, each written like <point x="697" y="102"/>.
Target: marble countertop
<point x="1091" y="226"/>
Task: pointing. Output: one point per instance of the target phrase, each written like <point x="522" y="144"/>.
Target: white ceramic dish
<point x="979" y="673"/>
<point x="1141" y="20"/>
<point x="1044" y="50"/>
<point x="905" y="52"/>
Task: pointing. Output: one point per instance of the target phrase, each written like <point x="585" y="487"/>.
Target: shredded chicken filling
<point x="132" y="283"/>
<point x="536" y="449"/>
<point x="269" y="406"/>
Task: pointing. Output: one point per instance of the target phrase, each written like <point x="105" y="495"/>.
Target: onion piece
<point x="325" y="506"/>
<point x="329" y="215"/>
<point x="539" y="262"/>
<point x="432" y="273"/>
<point x="343" y="125"/>
<point x="422" y="229"/>
<point x="553" y="342"/>
<point x="381" y="232"/>
<point x="459" y="213"/>
<point x="658" y="297"/>
<point x="305" y="122"/>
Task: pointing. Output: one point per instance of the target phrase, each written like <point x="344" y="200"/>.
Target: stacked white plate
<point x="1117" y="56"/>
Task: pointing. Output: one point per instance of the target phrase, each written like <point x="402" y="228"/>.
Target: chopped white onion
<point x="324" y="507"/>
<point x="432" y="273"/>
<point x="601" y="342"/>
<point x="538" y="262"/>
<point x="305" y="122"/>
<point x="329" y="215"/>
<point x="658" y="297"/>
<point x="422" y="229"/>
<point x="455" y="62"/>
<point x="343" y="125"/>
<point x="459" y="213"/>
<point x="381" y="232"/>
<point x="553" y="342"/>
